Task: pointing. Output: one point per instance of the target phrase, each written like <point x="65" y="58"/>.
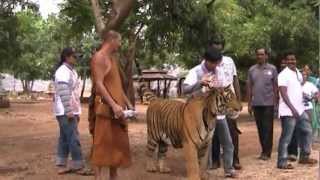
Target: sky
<point x="48" y="6"/>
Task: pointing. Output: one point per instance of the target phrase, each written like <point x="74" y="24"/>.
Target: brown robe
<point x="110" y="136"/>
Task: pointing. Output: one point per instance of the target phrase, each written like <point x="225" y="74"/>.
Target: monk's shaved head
<point x="111" y="35"/>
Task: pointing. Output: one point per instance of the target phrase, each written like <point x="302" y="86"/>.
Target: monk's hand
<point x="130" y="107"/>
<point x="117" y="110"/>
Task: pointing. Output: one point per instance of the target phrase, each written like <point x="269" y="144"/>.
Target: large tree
<point x="9" y="46"/>
<point x="104" y="16"/>
<point x="277" y="25"/>
<point x="111" y="17"/>
<point x="34" y="42"/>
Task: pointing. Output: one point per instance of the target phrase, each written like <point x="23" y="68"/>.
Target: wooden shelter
<point x="158" y="76"/>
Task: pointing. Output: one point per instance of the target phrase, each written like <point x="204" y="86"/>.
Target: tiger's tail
<point x="146" y="92"/>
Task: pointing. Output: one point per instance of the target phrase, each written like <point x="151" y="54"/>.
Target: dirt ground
<point x="28" y="137"/>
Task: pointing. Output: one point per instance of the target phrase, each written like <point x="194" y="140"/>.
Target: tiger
<point x="188" y="125"/>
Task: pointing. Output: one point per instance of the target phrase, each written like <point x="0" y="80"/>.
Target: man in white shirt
<point x="228" y="71"/>
<point x="309" y="92"/>
<point x="198" y="78"/>
<point x="292" y="115"/>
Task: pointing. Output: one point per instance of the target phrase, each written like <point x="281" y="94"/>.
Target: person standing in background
<point x="262" y="99"/>
<point x="292" y="115"/>
<point x="67" y="109"/>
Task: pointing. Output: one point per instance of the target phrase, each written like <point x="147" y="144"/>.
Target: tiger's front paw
<point x="151" y="167"/>
<point x="205" y="175"/>
<point x="163" y="168"/>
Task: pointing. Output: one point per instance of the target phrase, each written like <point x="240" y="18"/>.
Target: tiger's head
<point x="230" y="99"/>
<point x="220" y="101"/>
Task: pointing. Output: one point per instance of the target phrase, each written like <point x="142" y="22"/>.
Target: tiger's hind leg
<point x="152" y="161"/>
<point x="163" y="148"/>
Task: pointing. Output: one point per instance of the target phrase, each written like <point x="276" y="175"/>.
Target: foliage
<point x="9" y="46"/>
<point x="158" y="32"/>
<point x="32" y="63"/>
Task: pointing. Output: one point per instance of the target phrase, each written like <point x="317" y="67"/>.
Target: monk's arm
<point x="100" y="69"/>
<point x="128" y="103"/>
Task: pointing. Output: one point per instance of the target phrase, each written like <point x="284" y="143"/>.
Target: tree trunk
<point x="128" y="68"/>
<point x="98" y="16"/>
<point x="120" y="11"/>
<point x="27" y="86"/>
<point x="4" y="100"/>
<point x="24" y="85"/>
<point x="31" y="85"/>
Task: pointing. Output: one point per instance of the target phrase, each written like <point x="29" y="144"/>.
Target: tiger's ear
<point x="206" y="94"/>
<point x="228" y="87"/>
<point x="212" y="89"/>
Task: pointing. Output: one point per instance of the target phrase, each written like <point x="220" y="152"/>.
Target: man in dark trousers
<point x="262" y="99"/>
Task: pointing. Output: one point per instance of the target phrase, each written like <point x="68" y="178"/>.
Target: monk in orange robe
<point x="107" y="124"/>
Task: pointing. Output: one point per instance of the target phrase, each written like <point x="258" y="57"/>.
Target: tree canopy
<point x="157" y="32"/>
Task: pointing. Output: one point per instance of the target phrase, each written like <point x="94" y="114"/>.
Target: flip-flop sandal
<point x="84" y="172"/>
<point x="64" y="171"/>
<point x="287" y="166"/>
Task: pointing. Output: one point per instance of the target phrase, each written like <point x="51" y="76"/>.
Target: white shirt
<point x="226" y="71"/>
<point x="309" y="89"/>
<point x="195" y="74"/>
<point x="223" y="77"/>
<point x="70" y="76"/>
<point x="292" y="80"/>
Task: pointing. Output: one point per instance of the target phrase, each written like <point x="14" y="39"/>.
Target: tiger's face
<point x="231" y="100"/>
<point x="219" y="101"/>
<point x="223" y="101"/>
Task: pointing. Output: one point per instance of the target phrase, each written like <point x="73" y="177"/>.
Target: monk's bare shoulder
<point x="101" y="64"/>
<point x="101" y="61"/>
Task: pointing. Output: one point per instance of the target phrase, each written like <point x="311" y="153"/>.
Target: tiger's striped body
<point x="187" y="124"/>
<point x="176" y="131"/>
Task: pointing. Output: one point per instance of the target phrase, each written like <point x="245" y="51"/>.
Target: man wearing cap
<point x="228" y="69"/>
<point x="197" y="79"/>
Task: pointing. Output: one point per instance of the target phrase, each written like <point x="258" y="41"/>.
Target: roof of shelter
<point x="154" y="75"/>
